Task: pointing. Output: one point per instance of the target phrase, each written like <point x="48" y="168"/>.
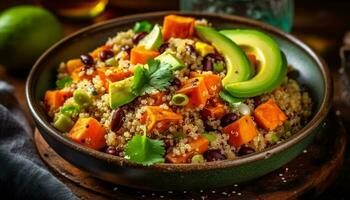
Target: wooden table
<point x="320" y="24"/>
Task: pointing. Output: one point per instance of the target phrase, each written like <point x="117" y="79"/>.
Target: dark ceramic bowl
<point x="313" y="74"/>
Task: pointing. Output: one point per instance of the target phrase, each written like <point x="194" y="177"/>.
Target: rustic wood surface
<point x="306" y="176"/>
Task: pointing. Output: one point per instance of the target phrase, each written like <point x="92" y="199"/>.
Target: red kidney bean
<point x="111" y="150"/>
<point x="209" y="60"/>
<point x="136" y="39"/>
<point x="228" y="119"/>
<point x="87" y="59"/>
<point x="106" y="54"/>
<point x="245" y="151"/>
<point x="125" y="48"/>
<point x="163" y="47"/>
<point x="117" y="119"/>
<point x="213" y="155"/>
<point x="190" y="49"/>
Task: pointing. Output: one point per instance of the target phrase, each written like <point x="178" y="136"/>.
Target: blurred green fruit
<point x="25" y="33"/>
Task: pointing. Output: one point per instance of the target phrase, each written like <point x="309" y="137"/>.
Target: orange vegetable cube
<point x="178" y="27"/>
<point x="55" y="98"/>
<point x="196" y="91"/>
<point x="212" y="82"/>
<point x="241" y="131"/>
<point x="198" y="146"/>
<point x="140" y="55"/>
<point x="76" y="75"/>
<point x="88" y="132"/>
<point x="159" y="118"/>
<point x="269" y="116"/>
<point x="113" y="75"/>
<point x="73" y="64"/>
<point x="158" y="98"/>
<point x="217" y="111"/>
<point x="96" y="53"/>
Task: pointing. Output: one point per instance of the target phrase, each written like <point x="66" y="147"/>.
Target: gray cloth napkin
<point x="22" y="174"/>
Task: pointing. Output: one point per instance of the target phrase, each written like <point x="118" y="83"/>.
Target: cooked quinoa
<point x="293" y="101"/>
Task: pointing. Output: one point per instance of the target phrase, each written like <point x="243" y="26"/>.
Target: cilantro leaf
<point x="157" y="76"/>
<point x="63" y="82"/>
<point x="145" y="151"/>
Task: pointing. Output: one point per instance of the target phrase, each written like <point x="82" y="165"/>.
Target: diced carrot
<point x="96" y="53"/>
<point x="158" y="98"/>
<point x="241" y="131"/>
<point x="197" y="92"/>
<point x="216" y="111"/>
<point x="55" y="98"/>
<point x="212" y="82"/>
<point x="178" y="27"/>
<point x="88" y="132"/>
<point x="73" y="64"/>
<point x="140" y="55"/>
<point x="269" y="116"/>
<point x="198" y="146"/>
<point x="160" y="119"/>
<point x="76" y="75"/>
<point x="114" y="74"/>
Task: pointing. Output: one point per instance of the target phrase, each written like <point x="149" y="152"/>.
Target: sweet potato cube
<point x="140" y="55"/>
<point x="73" y="64"/>
<point x="159" y="118"/>
<point x="197" y="92"/>
<point x="199" y="146"/>
<point x="178" y="27"/>
<point x="114" y="74"/>
<point x="269" y="116"/>
<point x="55" y="98"/>
<point x="241" y="131"/>
<point x="88" y="132"/>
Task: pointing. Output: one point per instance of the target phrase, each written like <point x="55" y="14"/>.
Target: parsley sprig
<point x="145" y="151"/>
<point x="64" y="82"/>
<point x="158" y="76"/>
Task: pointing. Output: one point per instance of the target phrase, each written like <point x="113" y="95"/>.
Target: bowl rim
<point x="316" y="120"/>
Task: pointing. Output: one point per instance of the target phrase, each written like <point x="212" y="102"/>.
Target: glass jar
<point x="278" y="13"/>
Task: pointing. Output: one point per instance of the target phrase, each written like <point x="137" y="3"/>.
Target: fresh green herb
<point x="145" y="151"/>
<point x="209" y="136"/>
<point x="143" y="26"/>
<point x="64" y="82"/>
<point x="70" y="110"/>
<point x="180" y="99"/>
<point x="197" y="158"/>
<point x="158" y="76"/>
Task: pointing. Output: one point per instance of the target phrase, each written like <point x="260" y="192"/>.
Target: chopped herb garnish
<point x="145" y="151"/>
<point x="158" y="76"/>
<point x="64" y="82"/>
<point x="143" y="26"/>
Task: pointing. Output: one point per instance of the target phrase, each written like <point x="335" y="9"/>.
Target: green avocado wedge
<point x="120" y="93"/>
<point x="238" y="66"/>
<point x="272" y="64"/>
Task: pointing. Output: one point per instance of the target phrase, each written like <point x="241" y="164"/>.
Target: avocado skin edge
<point x="237" y="64"/>
<point x="256" y="86"/>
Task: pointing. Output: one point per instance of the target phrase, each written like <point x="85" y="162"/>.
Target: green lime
<point x="25" y="33"/>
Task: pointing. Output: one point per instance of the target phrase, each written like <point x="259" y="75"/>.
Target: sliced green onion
<point x="180" y="99"/>
<point x="143" y="26"/>
<point x="210" y="137"/>
<point x="197" y="158"/>
<point x="218" y="67"/>
<point x="233" y="101"/>
<point x="275" y="138"/>
<point x="111" y="62"/>
<point x="70" y="110"/>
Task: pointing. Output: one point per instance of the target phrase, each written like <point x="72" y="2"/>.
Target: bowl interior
<point x="43" y="76"/>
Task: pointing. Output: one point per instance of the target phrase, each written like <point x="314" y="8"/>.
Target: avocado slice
<point x="120" y="92"/>
<point x="238" y="66"/>
<point x="170" y="59"/>
<point x="272" y="65"/>
<point x="153" y="40"/>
